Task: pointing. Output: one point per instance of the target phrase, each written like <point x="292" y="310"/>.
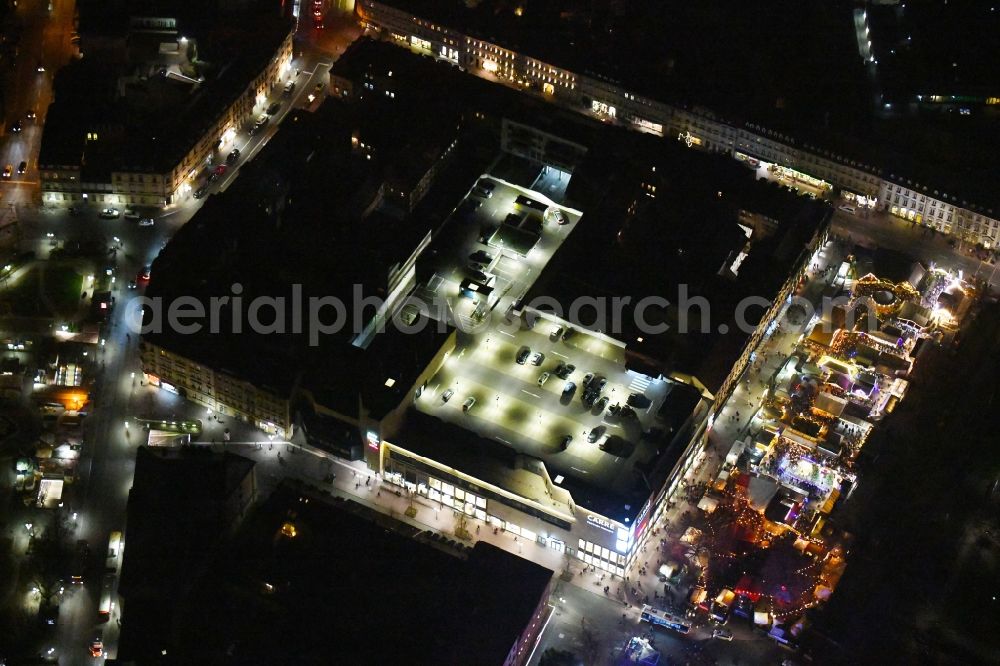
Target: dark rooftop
<point x="824" y="97"/>
<point x="294" y="217"/>
<point x="157" y="121"/>
<point x="685" y="234"/>
<point x="180" y="503"/>
<point x="308" y="598"/>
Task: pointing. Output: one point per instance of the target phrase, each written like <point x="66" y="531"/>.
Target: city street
<point x="107" y="462"/>
<point x="44" y="43"/>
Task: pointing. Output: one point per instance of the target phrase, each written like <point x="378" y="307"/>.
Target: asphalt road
<point x="107" y="462"/>
<point x="45" y="41"/>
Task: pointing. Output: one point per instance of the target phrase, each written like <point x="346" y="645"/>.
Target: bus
<point x="107" y="603"/>
<point x="664" y="619"/>
<point x="114" y="552"/>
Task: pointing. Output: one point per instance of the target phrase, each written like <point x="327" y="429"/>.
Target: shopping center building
<point x="449" y="414"/>
<point x="437" y="30"/>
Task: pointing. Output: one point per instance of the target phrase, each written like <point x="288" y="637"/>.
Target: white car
<point x="543" y="378"/>
<point x="109" y="213"/>
<point x="467" y="405"/>
<point x="146" y="222"/>
<point x="446" y="396"/>
<point x="722" y="634"/>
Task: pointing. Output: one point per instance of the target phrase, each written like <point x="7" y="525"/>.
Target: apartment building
<point x="102" y="157"/>
<point x="822" y="169"/>
<point x="263" y="406"/>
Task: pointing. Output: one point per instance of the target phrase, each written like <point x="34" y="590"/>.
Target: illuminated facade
<point x="145" y="187"/>
<point x="216" y="390"/>
<point x="866" y="184"/>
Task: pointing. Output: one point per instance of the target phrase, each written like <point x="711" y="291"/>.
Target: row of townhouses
<point x="868" y="185"/>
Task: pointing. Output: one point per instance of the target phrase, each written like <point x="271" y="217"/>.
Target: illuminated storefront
<point x="907" y="214"/>
<point x="591" y="538"/>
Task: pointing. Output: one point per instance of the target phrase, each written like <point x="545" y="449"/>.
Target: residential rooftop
<point x="303" y="565"/>
<point x="661" y="220"/>
<point x="149" y="109"/>
<point x="823" y="101"/>
<point x="298" y="215"/>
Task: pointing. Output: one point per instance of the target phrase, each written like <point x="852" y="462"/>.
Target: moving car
<point x="569" y="388"/>
<point x="289" y="87"/>
<point x="201" y="191"/>
<point x="31" y="115"/>
<point x="233" y="156"/>
<point x="110" y="213"/>
<point x="220" y="169"/>
<point x="97" y="648"/>
<point x="130" y="214"/>
<point x="143" y="274"/>
<point x="8" y="171"/>
<point x="22" y="167"/>
<point x="722" y="634"/>
<point x="146" y="222"/>
<point x="446" y="396"/>
<point x="522" y="355"/>
<point x="16" y="127"/>
<point x="467" y="405"/>
<point x="556" y="333"/>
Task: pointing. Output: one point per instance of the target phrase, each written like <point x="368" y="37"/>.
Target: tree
<point x="556" y="657"/>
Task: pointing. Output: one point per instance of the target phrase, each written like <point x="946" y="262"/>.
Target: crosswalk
<point x="639" y="383"/>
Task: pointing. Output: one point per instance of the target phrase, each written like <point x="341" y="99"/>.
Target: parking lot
<point x="489" y="392"/>
<point x="480" y="248"/>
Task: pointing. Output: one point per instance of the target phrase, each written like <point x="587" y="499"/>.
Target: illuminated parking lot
<point x="507" y="270"/>
<point x="511" y="407"/>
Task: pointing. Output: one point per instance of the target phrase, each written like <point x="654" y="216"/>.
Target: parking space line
<point x="509" y="335"/>
<point x="555" y="353"/>
<point x="531" y="394"/>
